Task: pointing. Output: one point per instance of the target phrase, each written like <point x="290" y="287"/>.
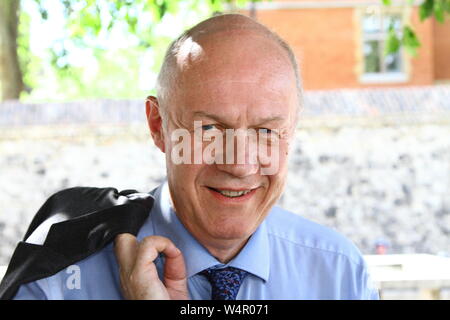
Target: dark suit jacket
<point x="93" y="217"/>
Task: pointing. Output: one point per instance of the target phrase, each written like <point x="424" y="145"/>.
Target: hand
<point x="138" y="275"/>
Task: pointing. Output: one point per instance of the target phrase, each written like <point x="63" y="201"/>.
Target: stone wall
<point x="381" y="181"/>
<point x="377" y="175"/>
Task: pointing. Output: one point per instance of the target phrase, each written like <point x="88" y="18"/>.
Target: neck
<point x="226" y="250"/>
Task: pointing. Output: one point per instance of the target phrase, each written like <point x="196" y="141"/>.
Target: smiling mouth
<point x="231" y="193"/>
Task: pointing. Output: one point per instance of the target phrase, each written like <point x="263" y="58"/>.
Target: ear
<point x="154" y="121"/>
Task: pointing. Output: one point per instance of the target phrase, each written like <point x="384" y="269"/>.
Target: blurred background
<point x="372" y="152"/>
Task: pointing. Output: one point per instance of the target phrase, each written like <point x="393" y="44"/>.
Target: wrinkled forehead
<point x="235" y="80"/>
<point x="233" y="56"/>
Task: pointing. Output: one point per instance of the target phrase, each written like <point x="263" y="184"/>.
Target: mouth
<point x="232" y="195"/>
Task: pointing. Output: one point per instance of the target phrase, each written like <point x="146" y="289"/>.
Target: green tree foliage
<point x="117" y="71"/>
<point x="86" y="22"/>
<point x="438" y="9"/>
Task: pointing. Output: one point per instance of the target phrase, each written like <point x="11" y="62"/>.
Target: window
<point x="377" y="66"/>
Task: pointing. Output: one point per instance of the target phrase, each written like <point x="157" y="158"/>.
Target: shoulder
<point x="76" y="281"/>
<point x="74" y="226"/>
<point x="75" y="202"/>
<point x="294" y="230"/>
<point x="66" y="204"/>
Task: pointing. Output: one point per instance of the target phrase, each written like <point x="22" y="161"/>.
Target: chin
<point x="229" y="230"/>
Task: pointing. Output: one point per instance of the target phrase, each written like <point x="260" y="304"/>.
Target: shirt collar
<point x="253" y="258"/>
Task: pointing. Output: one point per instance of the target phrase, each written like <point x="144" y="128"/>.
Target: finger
<point x="175" y="276"/>
<point x="149" y="250"/>
<point x="174" y="268"/>
<point x="125" y="248"/>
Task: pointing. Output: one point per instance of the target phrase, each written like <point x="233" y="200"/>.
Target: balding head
<point x="201" y="43"/>
<point x="226" y="80"/>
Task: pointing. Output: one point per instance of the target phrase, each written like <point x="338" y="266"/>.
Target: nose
<point x="239" y="170"/>
<point x="241" y="158"/>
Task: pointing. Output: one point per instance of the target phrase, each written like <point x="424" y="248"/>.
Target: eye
<point x="265" y="131"/>
<point x="268" y="135"/>
<point x="208" y="127"/>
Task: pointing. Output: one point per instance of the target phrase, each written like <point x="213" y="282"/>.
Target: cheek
<point x="185" y="197"/>
<point x="186" y="181"/>
<point x="275" y="163"/>
<point x="183" y="174"/>
<point x="277" y="181"/>
<point x="277" y="184"/>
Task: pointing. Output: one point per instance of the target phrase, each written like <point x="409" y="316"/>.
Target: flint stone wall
<point x="378" y="171"/>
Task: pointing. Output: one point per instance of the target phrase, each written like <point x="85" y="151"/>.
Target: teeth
<point x="232" y="194"/>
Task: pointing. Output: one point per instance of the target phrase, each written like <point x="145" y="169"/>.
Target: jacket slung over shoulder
<point x="71" y="225"/>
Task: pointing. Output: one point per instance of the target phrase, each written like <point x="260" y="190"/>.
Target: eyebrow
<point x="218" y="119"/>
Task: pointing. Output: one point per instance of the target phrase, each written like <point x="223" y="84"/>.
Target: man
<point x="214" y="232"/>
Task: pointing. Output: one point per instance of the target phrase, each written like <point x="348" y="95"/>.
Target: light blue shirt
<point x="288" y="257"/>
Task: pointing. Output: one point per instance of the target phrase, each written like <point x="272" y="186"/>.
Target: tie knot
<point x="225" y="282"/>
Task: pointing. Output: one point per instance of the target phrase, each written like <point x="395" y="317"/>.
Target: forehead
<point x="237" y="101"/>
<point x="238" y="55"/>
<point x="234" y="98"/>
<point x="235" y="73"/>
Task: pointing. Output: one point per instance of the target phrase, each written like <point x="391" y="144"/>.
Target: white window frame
<point x="383" y="76"/>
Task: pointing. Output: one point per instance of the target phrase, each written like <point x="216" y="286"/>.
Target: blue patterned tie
<point x="225" y="283"/>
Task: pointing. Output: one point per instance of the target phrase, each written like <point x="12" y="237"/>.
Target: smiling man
<point x="214" y="231"/>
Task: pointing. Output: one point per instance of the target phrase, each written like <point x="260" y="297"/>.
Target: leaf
<point x="42" y="11"/>
<point x="438" y="9"/>
<point x="410" y="41"/>
<point x="132" y="23"/>
<point x="447" y="6"/>
<point x="68" y="10"/>
<point x="387" y="2"/>
<point x="426" y="9"/>
<point x="172" y="6"/>
<point x="392" y="44"/>
<point x="216" y="5"/>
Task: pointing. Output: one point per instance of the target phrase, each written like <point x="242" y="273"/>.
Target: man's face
<point x="230" y="84"/>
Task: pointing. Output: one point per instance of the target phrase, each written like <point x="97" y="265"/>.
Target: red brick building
<point x="339" y="43"/>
